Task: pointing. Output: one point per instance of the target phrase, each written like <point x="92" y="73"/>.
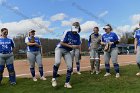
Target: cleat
<point x="138" y="74"/>
<point x="67" y="85"/>
<point x="54" y="83"/>
<point x="13" y="83"/>
<point x="78" y="73"/>
<point x="43" y="78"/>
<point x="72" y="73"/>
<point x="97" y="72"/>
<point x="92" y="72"/>
<point x="117" y="75"/>
<point x="34" y="79"/>
<point x="107" y="74"/>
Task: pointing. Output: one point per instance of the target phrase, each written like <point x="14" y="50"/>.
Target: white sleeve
<point x="64" y="34"/>
<point x="26" y="40"/>
<point x="135" y="34"/>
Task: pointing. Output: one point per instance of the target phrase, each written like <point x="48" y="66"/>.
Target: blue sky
<point x="51" y="17"/>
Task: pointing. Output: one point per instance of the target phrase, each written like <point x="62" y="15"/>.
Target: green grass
<point x="85" y="83"/>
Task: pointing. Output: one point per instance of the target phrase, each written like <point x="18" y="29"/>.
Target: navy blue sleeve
<point x="12" y="44"/>
<point x="116" y="37"/>
<point x="89" y="41"/>
<point x="39" y="41"/>
<point x="103" y="39"/>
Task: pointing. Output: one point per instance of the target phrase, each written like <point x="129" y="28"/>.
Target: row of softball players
<point x="70" y="41"/>
<point x="95" y="40"/>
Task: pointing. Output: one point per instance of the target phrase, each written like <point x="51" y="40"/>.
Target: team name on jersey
<point x="71" y="41"/>
<point x="5" y="43"/>
<point x="107" y="39"/>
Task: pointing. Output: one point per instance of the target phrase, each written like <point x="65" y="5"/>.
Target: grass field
<point x="85" y="83"/>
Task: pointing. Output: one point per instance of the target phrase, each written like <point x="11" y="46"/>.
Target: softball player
<point x="137" y="47"/>
<point x="94" y="44"/>
<point x="6" y="56"/>
<point x="76" y="53"/>
<point x="34" y="54"/>
<point x="111" y="39"/>
<point x="69" y="41"/>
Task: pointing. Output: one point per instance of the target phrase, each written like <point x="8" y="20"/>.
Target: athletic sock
<point x="41" y="71"/>
<point x="107" y="67"/>
<point x="68" y="75"/>
<point x="78" y="66"/>
<point x="32" y="70"/>
<point x="55" y="69"/>
<point x="116" y="67"/>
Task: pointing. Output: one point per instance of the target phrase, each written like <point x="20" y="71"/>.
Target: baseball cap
<point x="106" y="27"/>
<point x="74" y="29"/>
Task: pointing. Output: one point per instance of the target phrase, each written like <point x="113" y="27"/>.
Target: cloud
<point x="120" y="30"/>
<point x="15" y="8"/>
<point x="59" y="16"/>
<point x="103" y="14"/>
<point x="135" y="18"/>
<point x="21" y="27"/>
<point x="69" y="22"/>
<point x="88" y="26"/>
<point x="86" y="36"/>
<point x="2" y="1"/>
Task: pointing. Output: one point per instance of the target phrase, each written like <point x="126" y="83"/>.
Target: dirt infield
<point x="22" y="66"/>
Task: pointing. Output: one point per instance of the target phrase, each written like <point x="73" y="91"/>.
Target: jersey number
<point x="4" y="46"/>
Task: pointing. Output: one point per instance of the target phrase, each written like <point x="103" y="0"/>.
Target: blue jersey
<point x="33" y="48"/>
<point x="6" y="45"/>
<point x="70" y="38"/>
<point x="111" y="37"/>
<point x="137" y="36"/>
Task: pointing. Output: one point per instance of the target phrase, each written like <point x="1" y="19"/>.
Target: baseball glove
<point x="32" y="40"/>
<point x="107" y="47"/>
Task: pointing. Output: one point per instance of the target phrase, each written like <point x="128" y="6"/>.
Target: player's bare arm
<point x="70" y="46"/>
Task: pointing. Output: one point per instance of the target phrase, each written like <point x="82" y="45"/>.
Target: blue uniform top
<point x="111" y="37"/>
<point x="71" y="39"/>
<point x="137" y="36"/>
<point x="32" y="48"/>
<point x="6" y="45"/>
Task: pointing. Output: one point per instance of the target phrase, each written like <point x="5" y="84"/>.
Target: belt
<point x="5" y="52"/>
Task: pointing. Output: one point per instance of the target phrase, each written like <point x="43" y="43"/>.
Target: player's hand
<point x="75" y="46"/>
<point x="102" y="43"/>
<point x="36" y="44"/>
<point x="110" y="43"/>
